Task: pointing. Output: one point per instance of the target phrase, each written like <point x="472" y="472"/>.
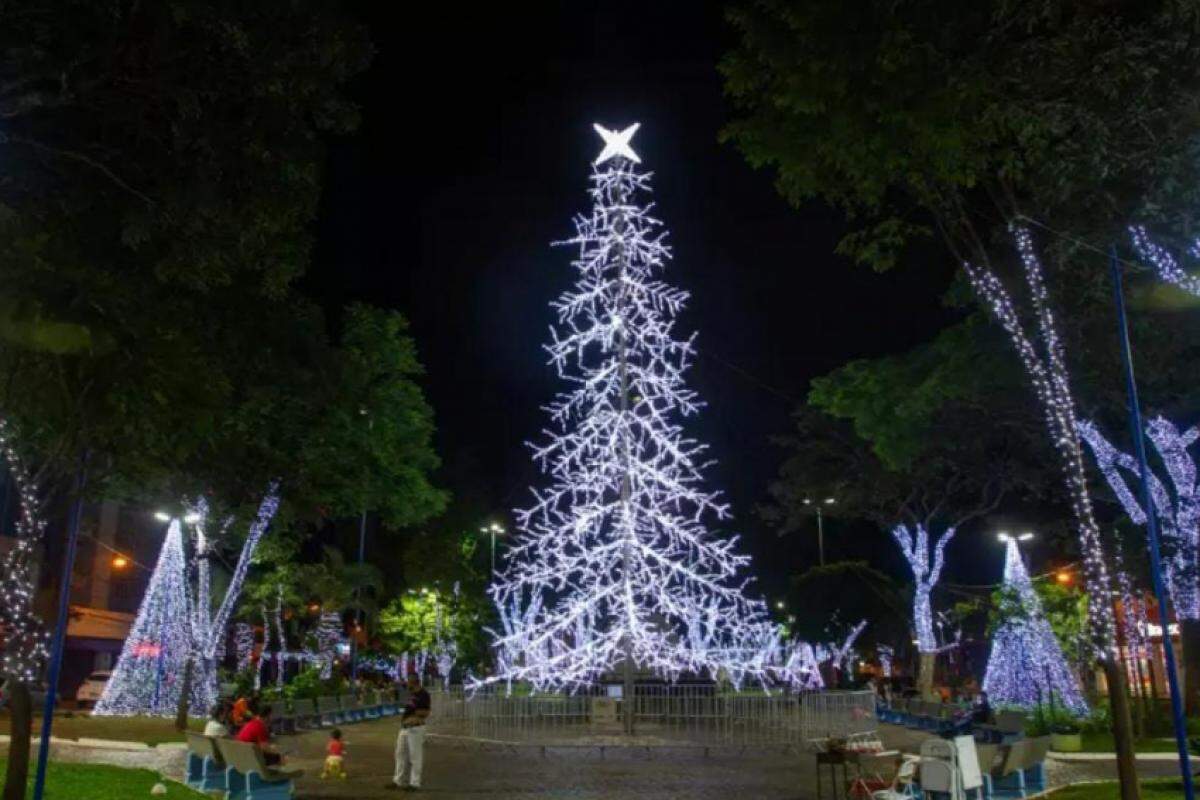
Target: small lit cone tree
<point x="148" y="678"/>
<point x="1026" y="666"/>
<point x="614" y="567"/>
<point x="926" y="563"/>
<point x="1177" y="506"/>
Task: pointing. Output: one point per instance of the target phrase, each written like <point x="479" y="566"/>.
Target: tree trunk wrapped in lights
<point x="1164" y="263"/>
<point x="1026" y="666"/>
<point x="615" y="565"/>
<point x="927" y="570"/>
<point x="25" y="638"/>
<point x="1178" y="512"/>
<point x="1047" y="370"/>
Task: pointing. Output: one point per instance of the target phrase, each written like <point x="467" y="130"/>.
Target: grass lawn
<point x="96" y="782"/>
<point x="151" y="730"/>
<point x="1168" y="789"/>
<point x="1102" y="742"/>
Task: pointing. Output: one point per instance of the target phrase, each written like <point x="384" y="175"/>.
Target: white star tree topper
<point x="616" y="143"/>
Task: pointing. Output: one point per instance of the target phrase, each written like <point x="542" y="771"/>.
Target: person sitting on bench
<point x="258" y="731"/>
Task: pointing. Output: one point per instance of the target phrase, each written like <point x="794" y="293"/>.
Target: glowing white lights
<point x="1164" y="263"/>
<point x="1178" y="511"/>
<point x="915" y="547"/>
<point x="616" y="145"/>
<point x="175" y="629"/>
<point x="1047" y="371"/>
<point x="1026" y="664"/>
<point x="25" y="638"/>
<point x="148" y="678"/>
<point x="615" y="556"/>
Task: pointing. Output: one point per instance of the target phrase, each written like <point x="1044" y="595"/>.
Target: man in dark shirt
<point x="410" y="744"/>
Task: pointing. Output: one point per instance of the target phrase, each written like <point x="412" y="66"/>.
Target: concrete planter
<point x="1066" y="742"/>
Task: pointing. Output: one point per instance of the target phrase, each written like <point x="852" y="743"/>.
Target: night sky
<point x="472" y="158"/>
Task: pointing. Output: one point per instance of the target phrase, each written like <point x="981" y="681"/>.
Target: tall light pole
<point x="828" y="501"/>
<point x="492" y="529"/>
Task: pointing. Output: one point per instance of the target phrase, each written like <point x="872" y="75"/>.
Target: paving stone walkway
<point x="458" y="771"/>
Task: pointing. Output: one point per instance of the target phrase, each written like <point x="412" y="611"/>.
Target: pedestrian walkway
<point x="458" y="771"/>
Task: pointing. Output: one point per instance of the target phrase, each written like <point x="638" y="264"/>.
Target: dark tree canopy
<point x="163" y="164"/>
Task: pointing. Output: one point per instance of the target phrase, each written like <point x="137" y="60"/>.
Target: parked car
<point x="91" y="689"/>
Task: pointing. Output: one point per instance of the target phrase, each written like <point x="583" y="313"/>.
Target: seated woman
<point x="218" y="721"/>
<point x="258" y="731"/>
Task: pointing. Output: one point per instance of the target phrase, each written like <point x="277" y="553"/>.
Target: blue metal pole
<point x="1139" y="444"/>
<point x="60" y="630"/>
<point x="362" y="544"/>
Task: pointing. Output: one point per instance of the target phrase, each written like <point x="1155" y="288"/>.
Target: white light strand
<point x="1047" y="372"/>
<point x="914" y="545"/>
<point x="615" y="555"/>
<point x="148" y="678"/>
<point x="243" y="643"/>
<point x="1164" y="263"/>
<point x="330" y="632"/>
<point x="1178" y="513"/>
<point x="25" y="637"/>
<point x="1026" y="666"/>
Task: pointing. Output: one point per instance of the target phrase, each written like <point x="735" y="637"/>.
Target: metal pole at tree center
<point x="1139" y="444"/>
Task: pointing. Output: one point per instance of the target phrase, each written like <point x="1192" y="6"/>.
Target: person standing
<point x="410" y="743"/>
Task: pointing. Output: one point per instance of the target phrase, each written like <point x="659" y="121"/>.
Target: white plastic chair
<point x="903" y="786"/>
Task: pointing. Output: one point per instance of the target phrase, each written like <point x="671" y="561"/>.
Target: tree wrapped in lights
<point x="210" y="627"/>
<point x="243" y="645"/>
<point x="1177" y="507"/>
<point x="1026" y="666"/>
<point x="148" y="678"/>
<point x="1164" y="263"/>
<point x="614" y="564"/>
<point x="1042" y="356"/>
<point x="926" y="564"/>
<point x="328" y="634"/>
<point x="25" y="639"/>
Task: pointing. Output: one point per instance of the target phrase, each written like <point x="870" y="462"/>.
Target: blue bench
<point x="205" y="766"/>
<point x="247" y="776"/>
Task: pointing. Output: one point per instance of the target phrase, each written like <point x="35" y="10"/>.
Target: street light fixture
<point x="120" y="562"/>
<point x="492" y="529"/>
<point x="162" y="516"/>
<point x="1004" y="536"/>
<point x="828" y="501"/>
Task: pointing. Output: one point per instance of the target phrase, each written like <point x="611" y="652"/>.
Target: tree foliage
<point x="162" y="171"/>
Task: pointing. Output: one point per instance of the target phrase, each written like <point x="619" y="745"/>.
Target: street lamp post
<point x="492" y="529"/>
<point x="820" y="523"/>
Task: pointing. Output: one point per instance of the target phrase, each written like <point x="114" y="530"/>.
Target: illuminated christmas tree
<point x="615" y="564"/>
<point x="1026" y="666"/>
<point x="148" y="678"/>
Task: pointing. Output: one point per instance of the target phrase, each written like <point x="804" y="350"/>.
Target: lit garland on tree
<point x="926" y="570"/>
<point x="1178" y="512"/>
<point x="614" y="560"/>
<point x="1164" y="263"/>
<point x="886" y="654"/>
<point x="149" y="674"/>
<point x="1026" y="666"/>
<point x="243" y="644"/>
<point x="210" y="627"/>
<point x="329" y="632"/>
<point x="25" y="639"/>
<point x="1046" y="368"/>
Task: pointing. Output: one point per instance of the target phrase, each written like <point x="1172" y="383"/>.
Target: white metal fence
<point x="693" y="714"/>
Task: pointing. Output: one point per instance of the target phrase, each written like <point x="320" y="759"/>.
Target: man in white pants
<point x="410" y="743"/>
